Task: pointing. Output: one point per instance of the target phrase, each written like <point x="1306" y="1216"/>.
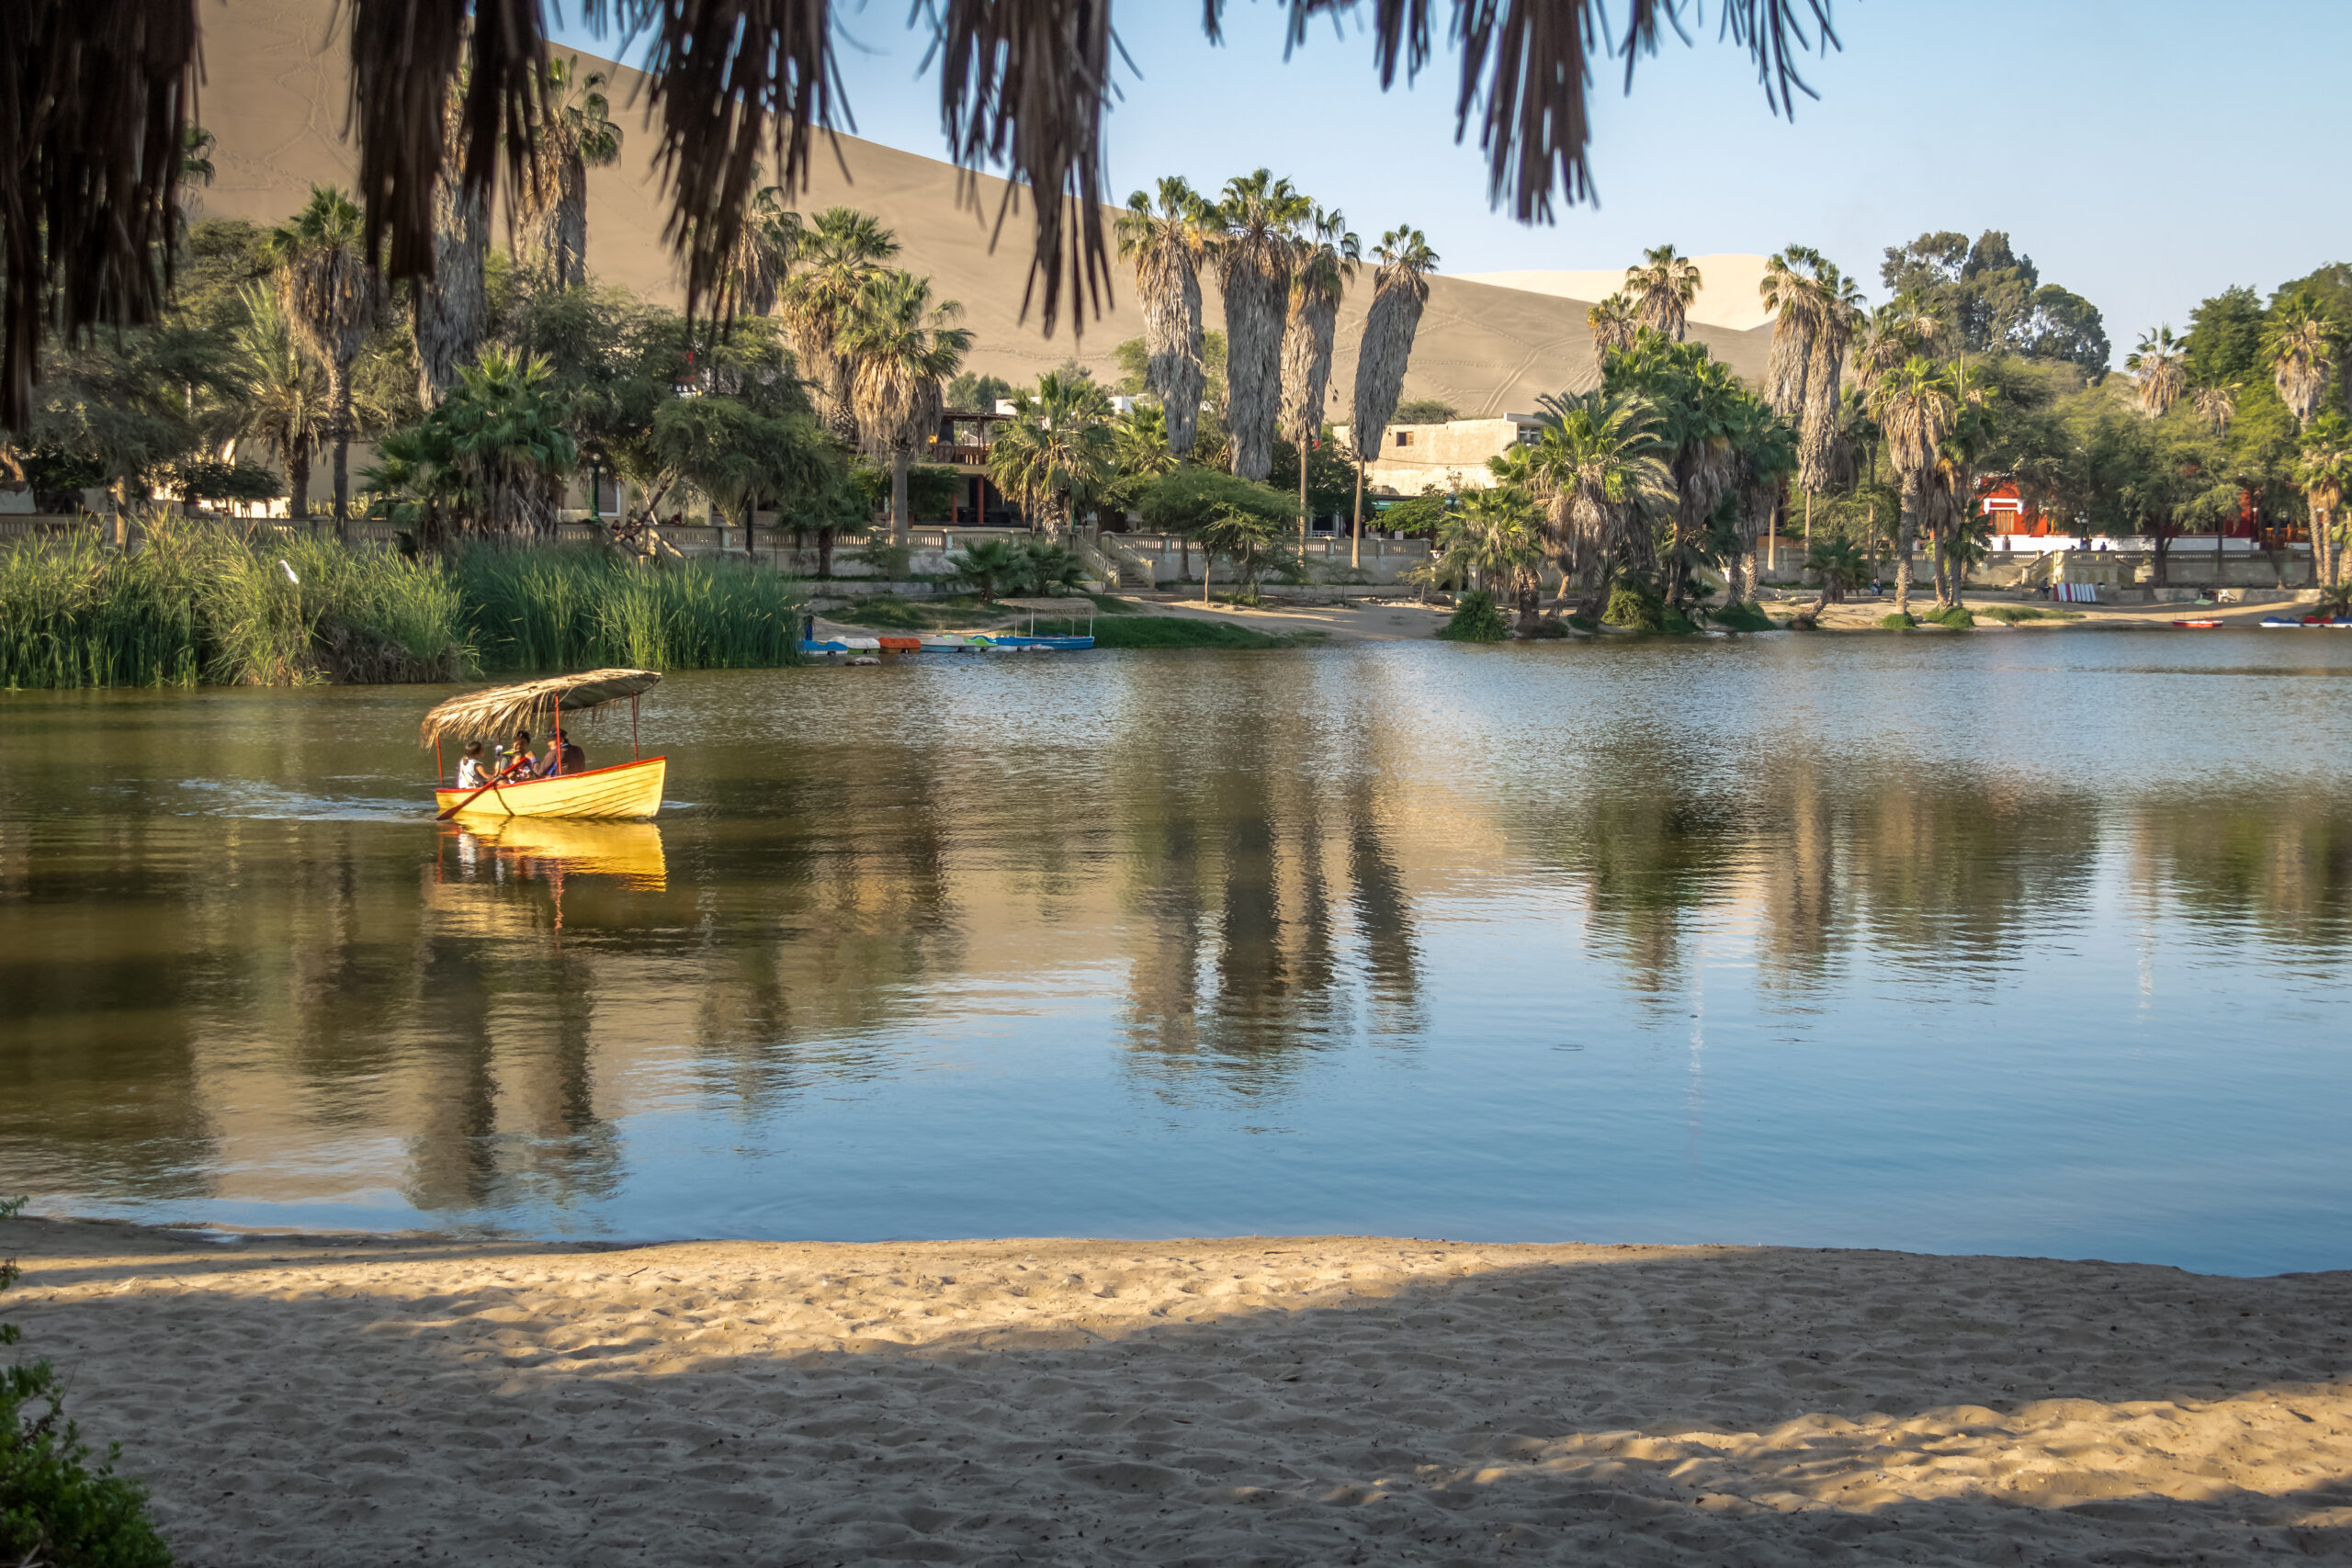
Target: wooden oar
<point x="468" y="801"/>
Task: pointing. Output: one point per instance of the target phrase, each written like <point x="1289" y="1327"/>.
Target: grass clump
<point x="1895" y="621"/>
<point x="2011" y="614"/>
<point x="1635" y="607"/>
<point x="1180" y="631"/>
<point x="1475" y="619"/>
<point x="1744" y="616"/>
<point x="56" y="1507"/>
<point x="1955" y="616"/>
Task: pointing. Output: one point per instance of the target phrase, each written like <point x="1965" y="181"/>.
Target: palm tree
<point x="1599" y="469"/>
<point x="904" y="348"/>
<point x="1056" y="452"/>
<point x="279" y="398"/>
<point x="1399" y="290"/>
<point x="1838" y="312"/>
<point x="765" y="249"/>
<point x="576" y="133"/>
<point x="1838" y="567"/>
<point x="1790" y="290"/>
<point x="2216" y="405"/>
<point x="2157" y="362"/>
<point x="1893" y="333"/>
<point x="329" y="289"/>
<point x="1663" y="288"/>
<point x="452" y="306"/>
<point x="1167" y="247"/>
<point x="1612" y="322"/>
<point x="2323" y="469"/>
<point x="2300" y="342"/>
<point x="493" y="454"/>
<point x="1914" y="406"/>
<point x="1255" y="249"/>
<point x="1326" y="265"/>
<point x="839" y="253"/>
<point x="1495" y="541"/>
<point x="1764" y="450"/>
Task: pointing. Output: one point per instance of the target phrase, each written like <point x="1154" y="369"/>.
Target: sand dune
<point x="274" y="97"/>
<point x="1728" y="288"/>
<point x="1329" y="1400"/>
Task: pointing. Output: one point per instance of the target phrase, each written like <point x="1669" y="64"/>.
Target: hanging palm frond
<point x="94" y="102"/>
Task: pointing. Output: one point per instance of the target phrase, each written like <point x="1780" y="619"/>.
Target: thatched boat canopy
<point x="501" y="710"/>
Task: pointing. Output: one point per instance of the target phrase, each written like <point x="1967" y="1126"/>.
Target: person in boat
<point x="563" y="757"/>
<point x="518" y="763"/>
<point x="470" y="773"/>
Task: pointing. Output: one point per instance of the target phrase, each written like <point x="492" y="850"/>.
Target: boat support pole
<point x="634" y="753"/>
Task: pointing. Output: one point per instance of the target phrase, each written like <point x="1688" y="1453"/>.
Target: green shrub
<point x="2011" y="614"/>
<point x="1956" y="616"/>
<point x="1675" y="622"/>
<point x="1744" y="616"/>
<point x="1895" y="621"/>
<point x="1634" y="607"/>
<point x="55" y="1509"/>
<point x="1475" y="619"/>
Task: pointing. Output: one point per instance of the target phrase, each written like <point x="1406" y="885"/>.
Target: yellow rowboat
<point x="627" y="789"/>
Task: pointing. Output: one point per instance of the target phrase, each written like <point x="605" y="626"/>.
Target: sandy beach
<point x="1350" y="1400"/>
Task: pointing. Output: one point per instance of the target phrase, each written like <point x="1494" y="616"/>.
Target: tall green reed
<point x="206" y="602"/>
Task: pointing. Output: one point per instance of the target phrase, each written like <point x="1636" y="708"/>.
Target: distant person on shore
<point x="469" y="769"/>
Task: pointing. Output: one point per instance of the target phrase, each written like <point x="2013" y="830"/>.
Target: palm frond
<point x="95" y="104"/>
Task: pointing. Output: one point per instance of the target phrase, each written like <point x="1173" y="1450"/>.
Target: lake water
<point x="2017" y="942"/>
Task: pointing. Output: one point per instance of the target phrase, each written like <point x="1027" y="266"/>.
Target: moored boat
<point x="631" y="789"/>
<point x="2202" y="625"/>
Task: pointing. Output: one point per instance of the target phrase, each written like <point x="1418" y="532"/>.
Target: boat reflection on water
<point x="482" y="873"/>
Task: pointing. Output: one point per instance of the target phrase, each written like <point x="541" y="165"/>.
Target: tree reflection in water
<point x="1219" y="875"/>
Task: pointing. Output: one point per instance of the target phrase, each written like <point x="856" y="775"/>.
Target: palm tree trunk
<point x="339" y="401"/>
<point x="298" y="482"/>
<point x="1208" y="568"/>
<point x="825" y="550"/>
<point x="1355" y="537"/>
<point x="1903" y="563"/>
<point x="751" y="522"/>
<point x="1301" y="504"/>
<point x="898" y="519"/>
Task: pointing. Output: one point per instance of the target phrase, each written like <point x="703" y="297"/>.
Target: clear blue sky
<point x="2144" y="152"/>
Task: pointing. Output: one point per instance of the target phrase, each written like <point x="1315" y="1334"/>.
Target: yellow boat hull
<point x="632" y="789"/>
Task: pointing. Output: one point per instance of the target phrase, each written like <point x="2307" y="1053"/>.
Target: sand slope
<point x="1333" y="1400"/>
<point x="275" y="92"/>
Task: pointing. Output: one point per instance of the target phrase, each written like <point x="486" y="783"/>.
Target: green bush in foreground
<point x="1475" y="619"/>
<point x="56" y="1510"/>
<point x="1635" y="607"/>
<point x="1956" y="616"/>
<point x="1895" y="621"/>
